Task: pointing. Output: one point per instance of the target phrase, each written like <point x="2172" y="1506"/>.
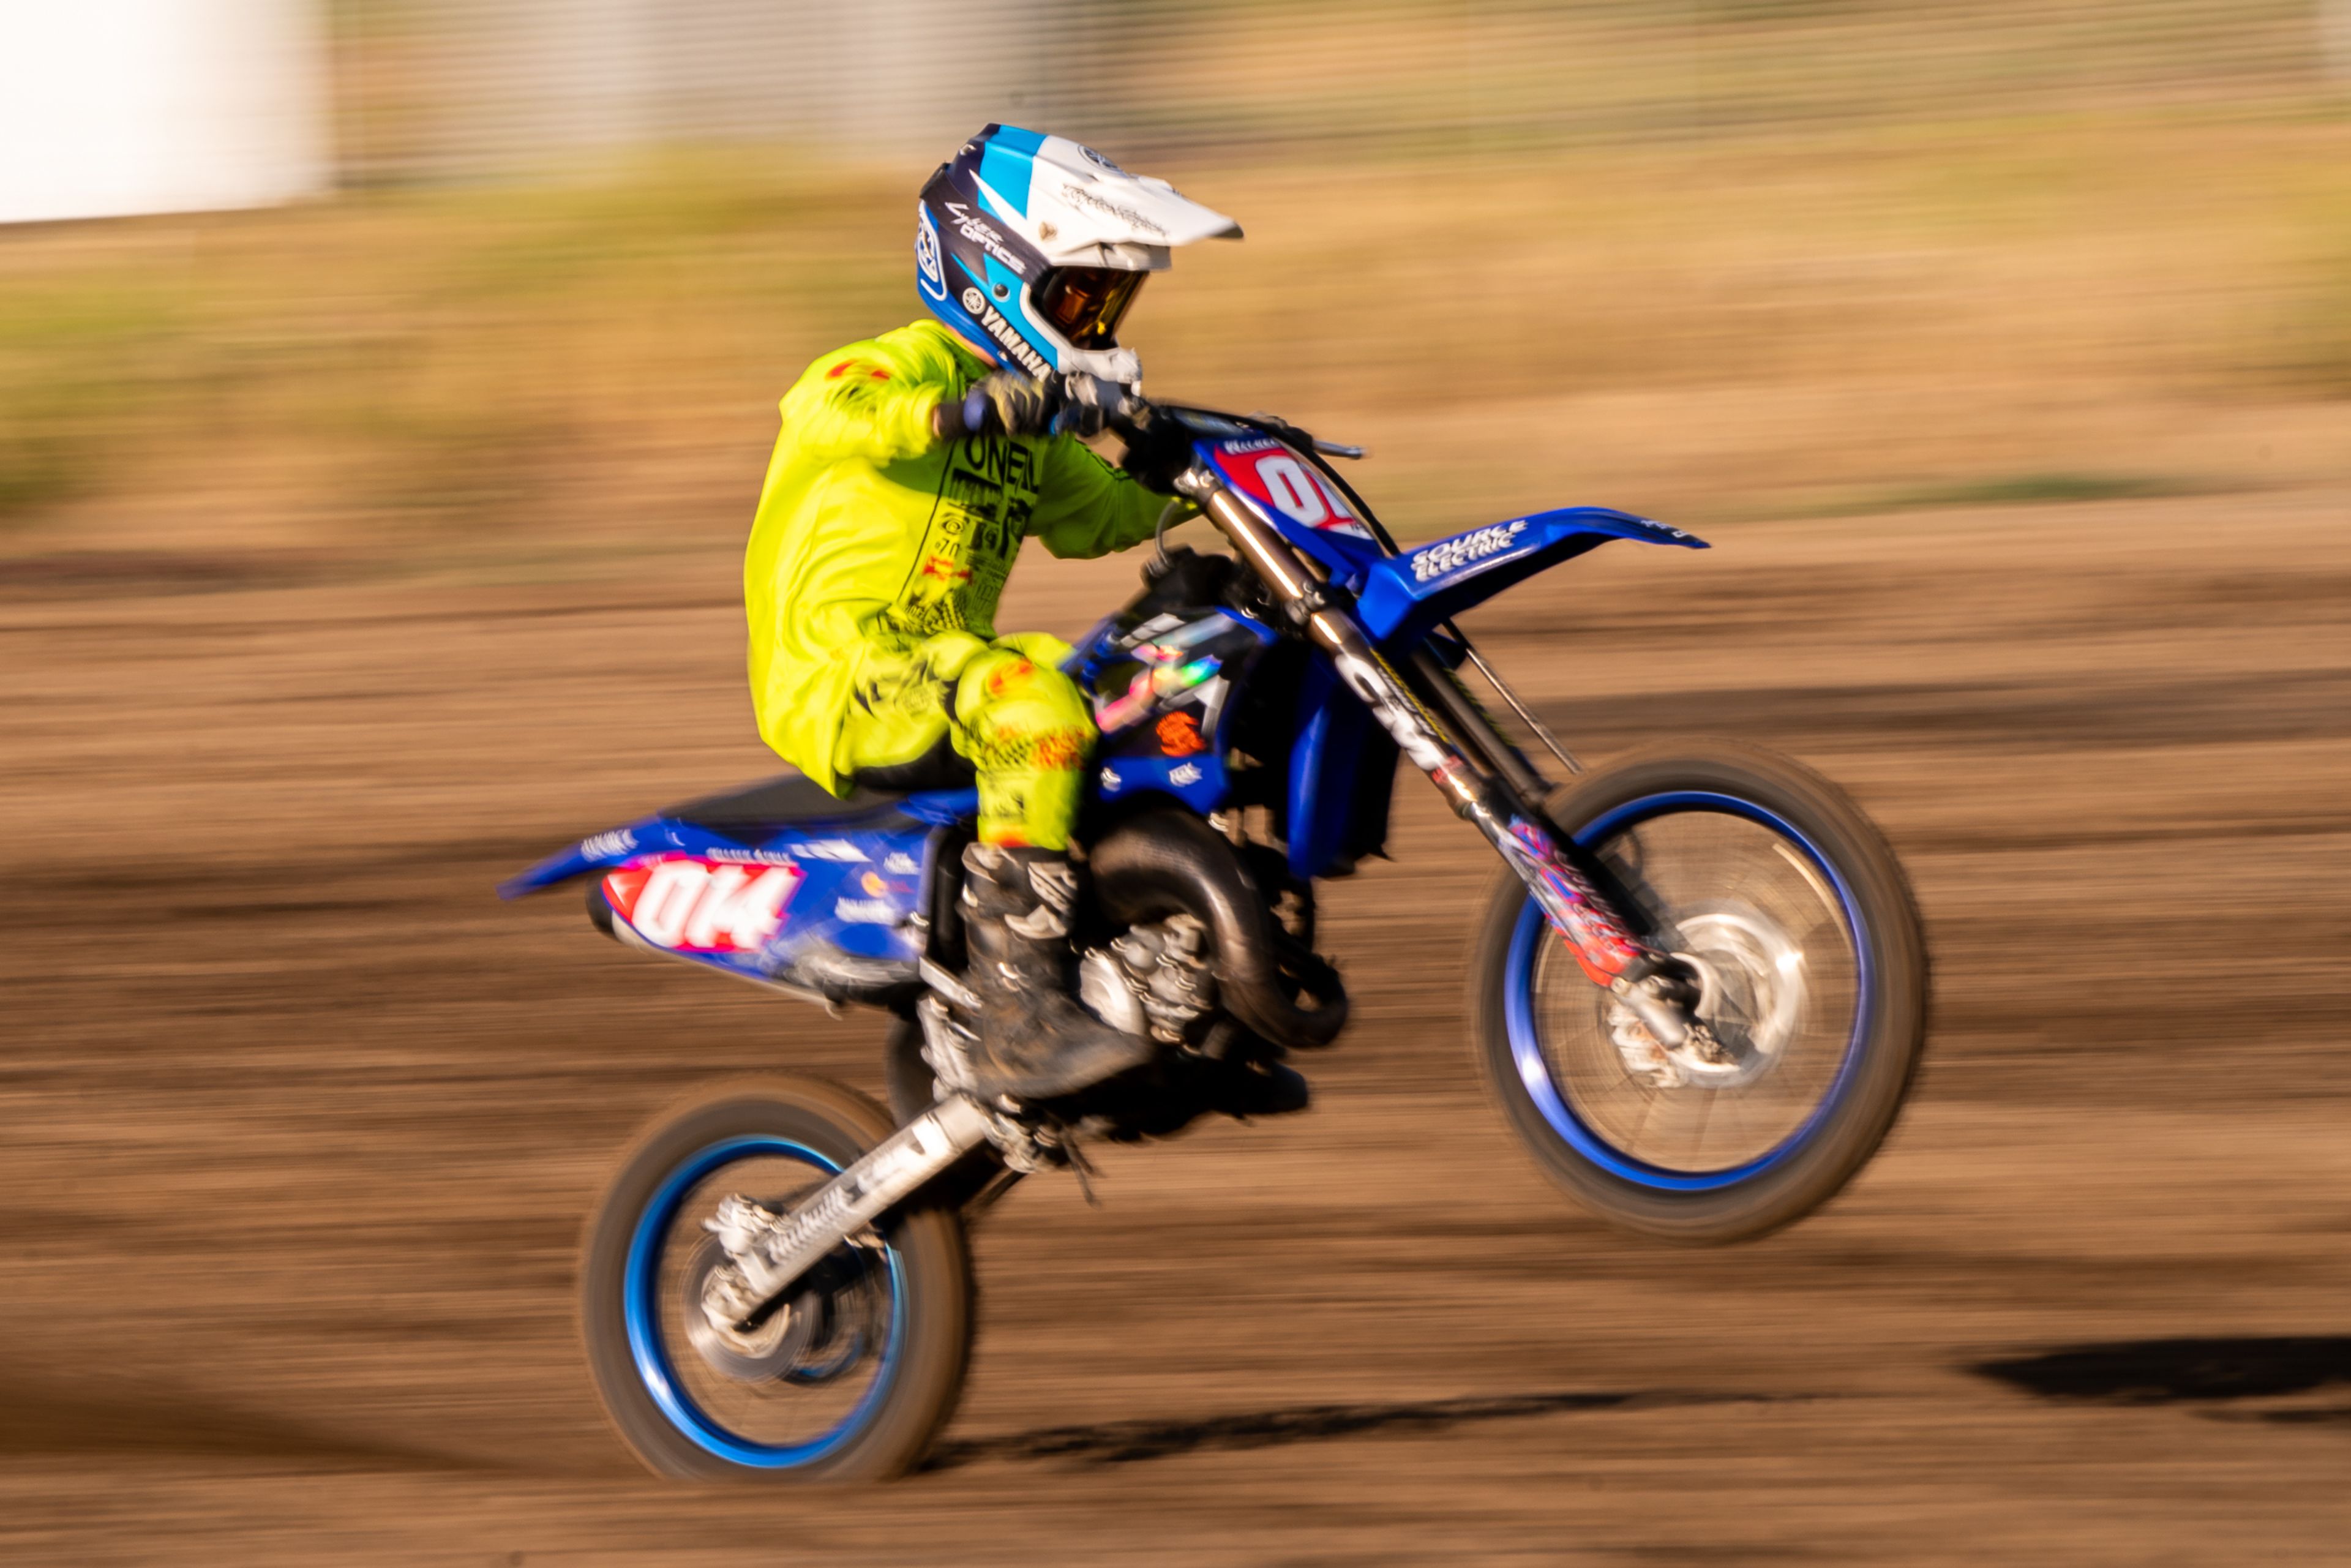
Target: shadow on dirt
<point x="118" y="1415"/>
<point x="1124" y="1442"/>
<point x="2203" y="1372"/>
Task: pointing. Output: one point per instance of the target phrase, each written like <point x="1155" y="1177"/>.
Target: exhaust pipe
<point x="1164" y="862"/>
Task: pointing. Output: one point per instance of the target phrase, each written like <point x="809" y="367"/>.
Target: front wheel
<point x="1788" y="907"/>
<point x="852" y="1374"/>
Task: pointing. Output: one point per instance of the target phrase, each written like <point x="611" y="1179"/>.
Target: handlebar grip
<point x="1092" y="403"/>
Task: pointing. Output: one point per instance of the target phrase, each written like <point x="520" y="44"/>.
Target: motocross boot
<point x="1035" y="1041"/>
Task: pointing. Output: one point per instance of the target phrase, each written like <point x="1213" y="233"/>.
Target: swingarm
<point x="768" y="1252"/>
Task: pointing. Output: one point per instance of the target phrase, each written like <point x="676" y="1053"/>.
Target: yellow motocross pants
<point x="1004" y="706"/>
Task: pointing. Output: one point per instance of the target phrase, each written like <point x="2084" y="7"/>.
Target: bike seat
<point x="788" y="800"/>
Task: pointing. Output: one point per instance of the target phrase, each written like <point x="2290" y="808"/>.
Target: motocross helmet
<point x="1033" y="248"/>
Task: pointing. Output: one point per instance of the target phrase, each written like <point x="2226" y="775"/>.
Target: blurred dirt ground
<point x="299" y="1125"/>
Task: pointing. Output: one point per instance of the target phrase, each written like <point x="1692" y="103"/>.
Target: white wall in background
<point x="112" y="106"/>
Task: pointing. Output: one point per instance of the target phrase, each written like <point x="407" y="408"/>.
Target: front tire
<point x="1789" y="901"/>
<point x="849" y="1382"/>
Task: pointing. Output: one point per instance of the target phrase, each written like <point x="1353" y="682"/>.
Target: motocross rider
<point x="910" y="468"/>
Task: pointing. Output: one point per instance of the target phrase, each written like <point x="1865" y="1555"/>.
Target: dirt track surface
<point x="299" y="1126"/>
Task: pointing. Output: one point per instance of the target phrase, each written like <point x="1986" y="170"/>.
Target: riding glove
<point x="1005" y="402"/>
<point x="1157" y="453"/>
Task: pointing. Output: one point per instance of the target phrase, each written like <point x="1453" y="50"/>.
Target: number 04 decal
<point x="696" y="906"/>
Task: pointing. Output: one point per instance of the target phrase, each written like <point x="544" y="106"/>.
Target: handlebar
<point x="1092" y="404"/>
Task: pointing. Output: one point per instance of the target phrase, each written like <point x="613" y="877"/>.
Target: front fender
<point x="1404" y="595"/>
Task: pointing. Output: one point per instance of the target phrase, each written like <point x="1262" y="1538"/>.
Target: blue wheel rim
<point x="641" y="1288"/>
<point x="1533" y="1068"/>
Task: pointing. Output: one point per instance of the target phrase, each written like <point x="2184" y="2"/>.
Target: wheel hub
<point x="1750" y="982"/>
<point x="755" y="1352"/>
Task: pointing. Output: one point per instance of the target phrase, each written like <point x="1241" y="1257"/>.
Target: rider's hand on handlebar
<point x="1005" y="402"/>
<point x="1158" y="448"/>
<point x="1092" y="404"/>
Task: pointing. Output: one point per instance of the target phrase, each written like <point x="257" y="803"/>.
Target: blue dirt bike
<point x="1699" y="991"/>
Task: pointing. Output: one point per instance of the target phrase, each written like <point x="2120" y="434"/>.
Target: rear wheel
<point x="849" y="1379"/>
<point x="1791" y="912"/>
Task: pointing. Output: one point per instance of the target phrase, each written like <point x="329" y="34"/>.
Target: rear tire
<point x="1812" y="932"/>
<point x="888" y="1334"/>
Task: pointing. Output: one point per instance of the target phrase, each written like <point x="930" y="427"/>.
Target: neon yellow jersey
<point x="878" y="554"/>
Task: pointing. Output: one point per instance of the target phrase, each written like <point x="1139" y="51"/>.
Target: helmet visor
<point x="1085" y="304"/>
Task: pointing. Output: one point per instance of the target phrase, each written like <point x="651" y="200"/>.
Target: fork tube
<point x="1440" y="687"/>
<point x="1293" y="579"/>
<point x="1531" y="793"/>
<point x="1367" y="674"/>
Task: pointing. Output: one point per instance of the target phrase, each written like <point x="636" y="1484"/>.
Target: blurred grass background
<point x="1705" y="259"/>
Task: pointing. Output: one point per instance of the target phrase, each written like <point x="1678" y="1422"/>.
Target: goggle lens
<point x="1086" y="304"/>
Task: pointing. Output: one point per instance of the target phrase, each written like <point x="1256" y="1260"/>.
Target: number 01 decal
<point x="1288" y="487"/>
<point x="1277" y="479"/>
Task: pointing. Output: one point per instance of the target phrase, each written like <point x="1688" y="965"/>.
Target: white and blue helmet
<point x="1033" y="248"/>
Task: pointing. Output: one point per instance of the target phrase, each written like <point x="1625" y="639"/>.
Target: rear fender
<point x="663" y="835"/>
<point x="612" y="850"/>
<point x="1404" y="595"/>
<point x="823" y="907"/>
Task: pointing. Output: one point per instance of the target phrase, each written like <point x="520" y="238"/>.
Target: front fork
<point x="1600" y="940"/>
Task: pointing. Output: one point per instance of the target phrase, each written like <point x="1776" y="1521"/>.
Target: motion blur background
<point x="551" y="264"/>
<point x="384" y="389"/>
